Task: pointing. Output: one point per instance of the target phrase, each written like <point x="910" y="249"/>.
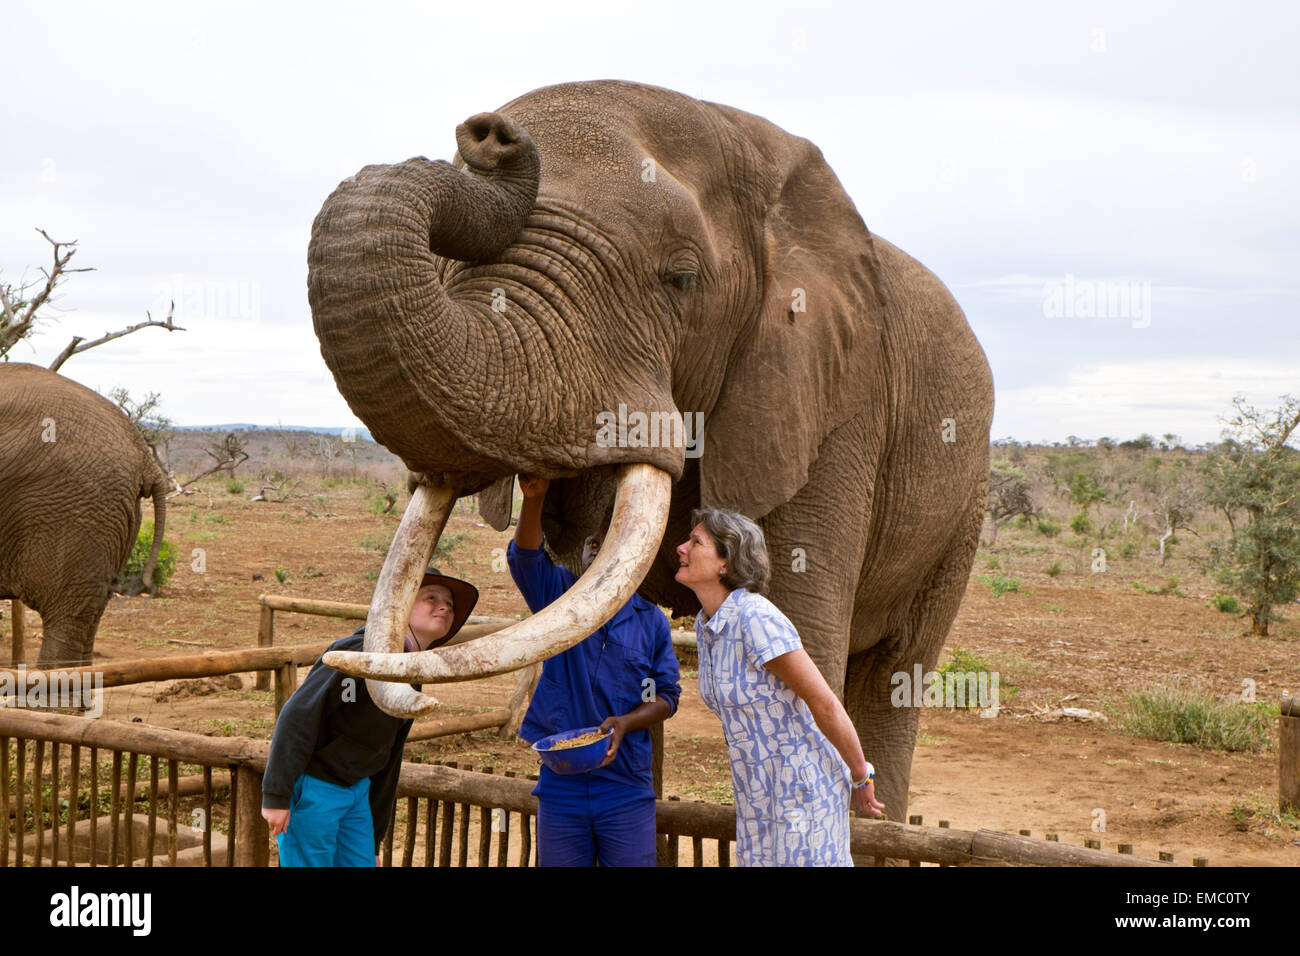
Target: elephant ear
<point x="808" y="360"/>
<point x="496" y="503"/>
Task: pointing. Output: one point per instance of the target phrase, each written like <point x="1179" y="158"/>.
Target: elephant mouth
<point x="630" y="547"/>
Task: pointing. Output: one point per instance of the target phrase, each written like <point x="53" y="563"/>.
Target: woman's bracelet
<point x="871" y="775"/>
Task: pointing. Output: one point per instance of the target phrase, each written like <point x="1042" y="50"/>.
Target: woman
<point x="795" y="757"/>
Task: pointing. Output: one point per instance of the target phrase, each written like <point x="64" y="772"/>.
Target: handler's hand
<point x="277" y="819"/>
<point x="532" y="486"/>
<point x="864" y="800"/>
<point x="615" y="738"/>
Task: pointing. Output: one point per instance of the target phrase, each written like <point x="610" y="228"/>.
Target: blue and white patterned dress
<point x="792" y="787"/>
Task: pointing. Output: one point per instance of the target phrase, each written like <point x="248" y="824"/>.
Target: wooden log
<point x="74" y="801"/>
<point x="992" y="847"/>
<point x="140" y="738"/>
<point x="173" y="796"/>
<point x="339" y="609"/>
<point x="697" y="851"/>
<point x="94" y="804"/>
<point x="525" y="839"/>
<point x="250" y="831"/>
<point x="1288" y="756"/>
<point x="265" y="638"/>
<point x="151" y="836"/>
<point x="20" y="828"/>
<point x="428" y="729"/>
<point x="132" y="767"/>
<point x="484" y="830"/>
<point x="38" y="797"/>
<point x="207" y="664"/>
<point x="286" y="682"/>
<point x="444" y="838"/>
<point x="463" y="855"/>
<point x="674" y="850"/>
<point x="4" y="801"/>
<point x="1166" y="856"/>
<point x="430" y="829"/>
<point x="232" y="823"/>
<point x="207" y="818"/>
<point x="17" y="650"/>
<point x="412" y="830"/>
<point x="724" y="853"/>
<point x="54" y="803"/>
<point x="115" y="805"/>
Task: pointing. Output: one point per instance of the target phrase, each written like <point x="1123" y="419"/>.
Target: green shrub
<point x="1226" y="603"/>
<point x="1023" y="521"/>
<point x="991" y="562"/>
<point x="235" y="487"/>
<point x="166" y="566"/>
<point x="1000" y="585"/>
<point x="446" y="544"/>
<point x="1186" y="716"/>
<point x="1130" y="548"/>
<point x="1081" y="524"/>
<point x="1048" y="528"/>
<point x="1053" y="569"/>
<point x="281" y="575"/>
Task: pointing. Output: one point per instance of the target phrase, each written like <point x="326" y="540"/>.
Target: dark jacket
<point x="331" y="729"/>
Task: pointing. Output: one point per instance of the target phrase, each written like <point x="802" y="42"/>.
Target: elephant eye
<point x="682" y="280"/>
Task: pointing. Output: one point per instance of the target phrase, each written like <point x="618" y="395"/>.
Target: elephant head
<point x="595" y="250"/>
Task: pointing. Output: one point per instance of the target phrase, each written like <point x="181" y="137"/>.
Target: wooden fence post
<point x="19" y="629"/>
<point x="252" y="836"/>
<point x="265" y="638"/>
<point x="1288" y="758"/>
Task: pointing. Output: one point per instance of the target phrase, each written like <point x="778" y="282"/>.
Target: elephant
<point x="600" y="255"/>
<point x="73" y="469"/>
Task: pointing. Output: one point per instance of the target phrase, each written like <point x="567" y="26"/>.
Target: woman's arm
<point x="801" y="675"/>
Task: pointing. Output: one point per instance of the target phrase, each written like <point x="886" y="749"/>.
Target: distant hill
<point x="360" y="433"/>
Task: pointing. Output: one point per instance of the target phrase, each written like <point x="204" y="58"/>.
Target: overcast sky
<point x="1108" y="189"/>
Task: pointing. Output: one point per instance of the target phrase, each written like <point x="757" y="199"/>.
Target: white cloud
<point x="1186" y="395"/>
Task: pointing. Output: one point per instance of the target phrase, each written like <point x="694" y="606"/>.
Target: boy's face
<point x="431" y="618"/>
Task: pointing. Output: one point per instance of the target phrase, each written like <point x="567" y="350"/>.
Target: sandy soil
<point x="1082" y="639"/>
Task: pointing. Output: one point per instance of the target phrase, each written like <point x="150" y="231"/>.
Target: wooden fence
<point x="59" y="774"/>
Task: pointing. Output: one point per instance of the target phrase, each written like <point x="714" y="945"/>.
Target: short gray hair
<point x="740" y="543"/>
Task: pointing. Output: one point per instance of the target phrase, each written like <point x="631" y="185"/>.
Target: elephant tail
<point x="159" y="494"/>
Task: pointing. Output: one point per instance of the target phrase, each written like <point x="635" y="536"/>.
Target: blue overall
<point x="608" y="814"/>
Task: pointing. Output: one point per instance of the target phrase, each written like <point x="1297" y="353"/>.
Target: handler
<point x="624" y="677"/>
<point x="335" y="756"/>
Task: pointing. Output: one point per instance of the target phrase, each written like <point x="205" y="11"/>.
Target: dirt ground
<point x="1083" y="639"/>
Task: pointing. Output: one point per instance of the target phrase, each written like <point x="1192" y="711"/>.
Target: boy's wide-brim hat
<point x="463" y="596"/>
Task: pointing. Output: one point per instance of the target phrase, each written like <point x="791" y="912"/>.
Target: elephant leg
<point x="916" y="635"/>
<point x="70" y="628"/>
<point x="816" y="543"/>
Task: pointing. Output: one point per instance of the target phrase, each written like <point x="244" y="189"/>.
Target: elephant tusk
<point x="630" y="547"/>
<point x="395" y="592"/>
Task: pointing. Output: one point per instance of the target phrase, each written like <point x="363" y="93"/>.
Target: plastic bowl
<point x="575" y="759"/>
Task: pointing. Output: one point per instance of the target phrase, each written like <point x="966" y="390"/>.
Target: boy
<point x="335" y="756"/>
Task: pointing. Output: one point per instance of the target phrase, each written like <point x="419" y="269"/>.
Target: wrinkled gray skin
<point x="70" y="507"/>
<point x="676" y="291"/>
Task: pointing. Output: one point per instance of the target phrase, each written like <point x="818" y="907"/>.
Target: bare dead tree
<point x="20" y="307"/>
<point x="1009" y="496"/>
<point x="291" y="440"/>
